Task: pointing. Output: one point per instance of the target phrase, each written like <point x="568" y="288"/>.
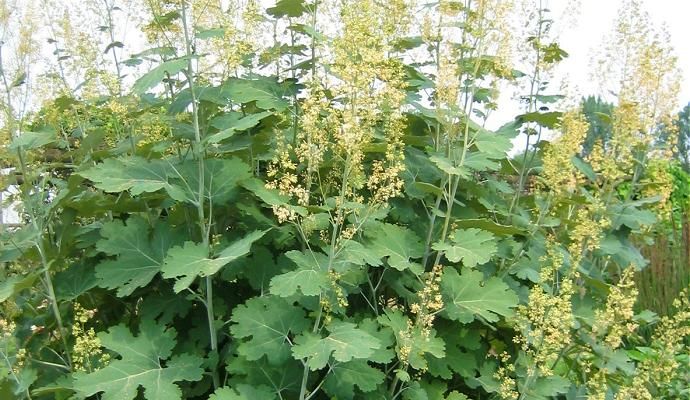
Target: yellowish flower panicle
<point x="241" y="23"/>
<point x="667" y="341"/>
<point x="546" y="321"/>
<point x="508" y="386"/>
<point x="7" y="328"/>
<point x="368" y="89"/>
<point x="616" y="321"/>
<point x="611" y="324"/>
<point x="608" y="168"/>
<point x="658" y="181"/>
<point x="627" y="136"/>
<point x="447" y="81"/>
<point x="587" y="229"/>
<point x="87" y="353"/>
<point x="643" y="69"/>
<point x="163" y="32"/>
<point x="559" y="173"/>
<point x="429" y="303"/>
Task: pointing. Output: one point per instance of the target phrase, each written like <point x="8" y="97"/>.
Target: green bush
<point x="329" y="217"/>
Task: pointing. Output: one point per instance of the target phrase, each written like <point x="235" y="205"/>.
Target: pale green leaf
<point x="267" y="324"/>
<point x="138" y="258"/>
<point x="231" y="123"/>
<point x="448" y="166"/>
<point x="471" y="246"/>
<point x="156" y="75"/>
<point x="344" y="343"/>
<point x="134" y="174"/>
<point x="192" y="259"/>
<point x="399" y="244"/>
<point x="140" y="365"/>
<point x="243" y="392"/>
<point x="287" y="8"/>
<point x="343" y="378"/>
<point x="266" y="93"/>
<point x="33" y="140"/>
<point x="15" y="284"/>
<point x="469" y="295"/>
<point x="310" y="277"/>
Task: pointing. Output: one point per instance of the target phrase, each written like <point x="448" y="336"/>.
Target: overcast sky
<point x="583" y="35"/>
<point x="596" y="21"/>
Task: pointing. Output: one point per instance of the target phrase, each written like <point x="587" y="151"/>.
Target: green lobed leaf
<point x="469" y="296"/>
<point x="33" y="140"/>
<point x="231" y="123"/>
<point x="221" y="179"/>
<point x="283" y="378"/>
<point x="310" y="278"/>
<point x="187" y="262"/>
<point x="138" y="258"/>
<point x="449" y="166"/>
<point x="243" y="392"/>
<point x="74" y="281"/>
<point x="15" y="284"/>
<point x="398" y="243"/>
<point x="287" y="8"/>
<point x="134" y="174"/>
<point x="547" y="119"/>
<point x="267" y="324"/>
<point x="471" y="246"/>
<point x="343" y="378"/>
<point x="156" y="75"/>
<point x="265" y="92"/>
<point x="344" y="342"/>
<point x="140" y="365"/>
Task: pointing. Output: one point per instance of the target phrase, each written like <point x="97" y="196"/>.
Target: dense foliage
<point x="326" y="216"/>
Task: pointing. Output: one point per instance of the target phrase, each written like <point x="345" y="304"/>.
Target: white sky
<point x="582" y="36"/>
<point x="596" y="21"/>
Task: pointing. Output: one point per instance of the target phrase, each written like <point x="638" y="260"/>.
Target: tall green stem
<point x="199" y="154"/>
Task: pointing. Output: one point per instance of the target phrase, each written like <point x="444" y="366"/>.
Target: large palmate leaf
<point x="221" y="178"/>
<point x="287" y="8"/>
<point x="421" y="346"/>
<point x="192" y="259"/>
<point x="344" y="342"/>
<point x="15" y="284"/>
<point x="33" y="140"/>
<point x="243" y="392"/>
<point x="230" y="123"/>
<point x="471" y="246"/>
<point x="134" y="174"/>
<point x="138" y="258"/>
<point x="283" y="378"/>
<point x="343" y="378"/>
<point x="156" y="75"/>
<point x="449" y="166"/>
<point x="460" y="355"/>
<point x="142" y="364"/>
<point x="310" y="277"/>
<point x="74" y="281"/>
<point x="397" y="243"/>
<point x="268" y="323"/>
<point x="265" y="92"/>
<point x="494" y="145"/>
<point x="469" y="295"/>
